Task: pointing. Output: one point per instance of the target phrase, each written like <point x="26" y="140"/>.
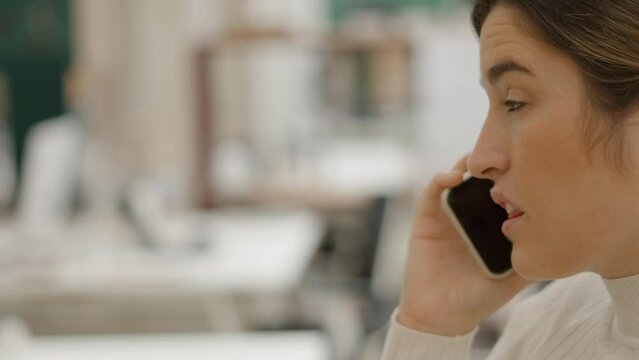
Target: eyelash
<point x="513" y="106"/>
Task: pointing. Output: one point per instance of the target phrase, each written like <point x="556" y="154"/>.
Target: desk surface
<point x="249" y="251"/>
<point x="302" y="345"/>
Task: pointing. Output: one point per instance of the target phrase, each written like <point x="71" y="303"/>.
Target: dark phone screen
<point x="482" y="220"/>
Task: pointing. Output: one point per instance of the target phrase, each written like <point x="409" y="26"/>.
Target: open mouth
<point x="514" y="218"/>
<point x="514" y="214"/>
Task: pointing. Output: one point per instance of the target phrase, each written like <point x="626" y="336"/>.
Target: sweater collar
<point x="625" y="298"/>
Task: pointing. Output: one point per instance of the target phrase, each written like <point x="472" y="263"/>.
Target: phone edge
<point x="460" y="229"/>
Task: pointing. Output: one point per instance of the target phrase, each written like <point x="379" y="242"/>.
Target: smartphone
<point x="478" y="220"/>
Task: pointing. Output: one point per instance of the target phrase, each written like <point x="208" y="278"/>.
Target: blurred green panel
<point x="34" y="54"/>
<point x="340" y="9"/>
<point x="34" y="31"/>
<point x="36" y="92"/>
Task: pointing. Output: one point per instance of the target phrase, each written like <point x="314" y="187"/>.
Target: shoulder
<point x="553" y="316"/>
<point x="564" y="299"/>
<point x="561" y="308"/>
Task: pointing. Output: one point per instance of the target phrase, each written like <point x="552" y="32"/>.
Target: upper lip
<point x="500" y="199"/>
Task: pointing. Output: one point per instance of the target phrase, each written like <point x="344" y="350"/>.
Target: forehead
<point x="505" y="31"/>
<point x="508" y="36"/>
<point x="507" y="18"/>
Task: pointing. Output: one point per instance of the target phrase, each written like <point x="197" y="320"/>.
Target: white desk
<point x="249" y="251"/>
<point x="307" y="345"/>
<point x="266" y="252"/>
<point x="92" y="288"/>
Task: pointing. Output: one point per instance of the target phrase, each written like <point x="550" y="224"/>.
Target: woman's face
<point x="579" y="212"/>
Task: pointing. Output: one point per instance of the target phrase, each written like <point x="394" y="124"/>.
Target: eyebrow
<point x="498" y="70"/>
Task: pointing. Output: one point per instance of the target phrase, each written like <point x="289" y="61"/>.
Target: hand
<point x="445" y="291"/>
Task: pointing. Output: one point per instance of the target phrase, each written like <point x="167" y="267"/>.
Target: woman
<point x="561" y="143"/>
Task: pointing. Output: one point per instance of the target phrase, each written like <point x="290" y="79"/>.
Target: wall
<point x="452" y="106"/>
<point x="136" y="58"/>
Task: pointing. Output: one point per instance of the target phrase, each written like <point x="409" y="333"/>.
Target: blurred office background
<point x="232" y="179"/>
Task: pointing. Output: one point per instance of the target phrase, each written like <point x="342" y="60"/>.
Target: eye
<point x="513" y="105"/>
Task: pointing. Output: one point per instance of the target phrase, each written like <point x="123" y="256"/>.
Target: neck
<point x="623" y="264"/>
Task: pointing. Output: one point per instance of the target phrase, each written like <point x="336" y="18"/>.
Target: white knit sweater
<point x="582" y="317"/>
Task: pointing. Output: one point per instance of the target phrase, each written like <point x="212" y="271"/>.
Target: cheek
<point x="571" y="215"/>
<point x="548" y="154"/>
<point x="560" y="243"/>
<point x="551" y="176"/>
<point x="551" y="246"/>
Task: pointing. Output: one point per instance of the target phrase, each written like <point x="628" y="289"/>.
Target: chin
<point x="531" y="269"/>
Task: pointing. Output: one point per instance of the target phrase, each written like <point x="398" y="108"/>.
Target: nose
<point x="489" y="158"/>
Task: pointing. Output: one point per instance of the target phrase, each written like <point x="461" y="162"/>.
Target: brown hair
<point x="602" y="37"/>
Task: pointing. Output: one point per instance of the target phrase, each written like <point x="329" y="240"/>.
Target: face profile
<point x="575" y="207"/>
<point x="559" y="148"/>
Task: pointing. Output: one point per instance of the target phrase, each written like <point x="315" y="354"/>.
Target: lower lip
<point x="510" y="223"/>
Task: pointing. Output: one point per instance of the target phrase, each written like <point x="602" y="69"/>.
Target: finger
<point x="429" y="203"/>
<point x="515" y="283"/>
<point x="462" y="163"/>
